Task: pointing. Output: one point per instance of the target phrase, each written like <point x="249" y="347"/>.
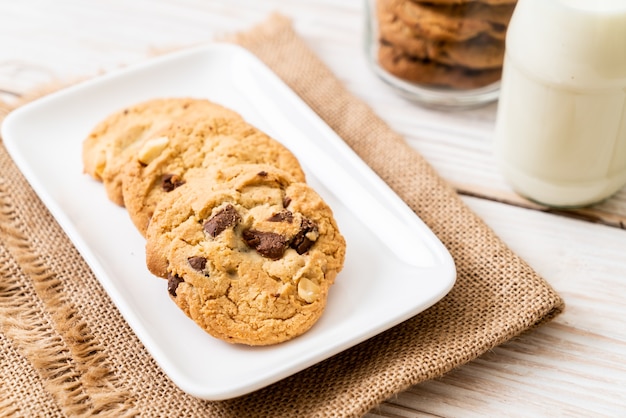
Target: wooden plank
<point x="610" y="212"/>
<point x="573" y="366"/>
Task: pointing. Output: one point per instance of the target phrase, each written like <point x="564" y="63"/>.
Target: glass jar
<point x="560" y="136"/>
<point x="439" y="53"/>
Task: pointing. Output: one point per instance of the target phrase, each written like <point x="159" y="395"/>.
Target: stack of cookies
<point x="248" y="248"/>
<point x="455" y="44"/>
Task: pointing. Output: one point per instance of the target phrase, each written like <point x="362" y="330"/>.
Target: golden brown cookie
<point x="480" y="52"/>
<point x="458" y="22"/>
<point x="431" y="73"/>
<point x="161" y="163"/>
<point x="250" y="260"/>
<point x="109" y="145"/>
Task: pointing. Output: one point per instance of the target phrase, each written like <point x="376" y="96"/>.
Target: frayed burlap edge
<point x="48" y="330"/>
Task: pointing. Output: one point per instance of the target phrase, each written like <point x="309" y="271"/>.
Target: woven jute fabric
<point x="66" y="350"/>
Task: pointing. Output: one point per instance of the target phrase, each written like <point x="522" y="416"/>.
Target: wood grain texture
<point x="573" y="366"/>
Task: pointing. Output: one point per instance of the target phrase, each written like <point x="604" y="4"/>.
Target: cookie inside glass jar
<point x="440" y="52"/>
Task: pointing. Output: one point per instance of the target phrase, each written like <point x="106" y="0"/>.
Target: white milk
<point x="561" y="123"/>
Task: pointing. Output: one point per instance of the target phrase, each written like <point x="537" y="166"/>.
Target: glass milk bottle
<point x="561" y="124"/>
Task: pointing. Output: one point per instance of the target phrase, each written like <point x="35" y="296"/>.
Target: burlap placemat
<point x="66" y="351"/>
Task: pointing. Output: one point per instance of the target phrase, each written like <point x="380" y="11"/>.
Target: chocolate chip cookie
<point x="249" y="253"/>
<point x="109" y="146"/>
<point x="431" y="73"/>
<point x="457" y="22"/>
<point x="161" y="163"/>
<point x="478" y="53"/>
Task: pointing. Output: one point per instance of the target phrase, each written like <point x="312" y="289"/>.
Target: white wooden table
<point x="574" y="366"/>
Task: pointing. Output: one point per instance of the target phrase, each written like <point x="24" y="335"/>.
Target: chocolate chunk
<point x="286" y="201"/>
<point x="223" y="219"/>
<point x="173" y="280"/>
<point x="282" y="216"/>
<point x="262" y="173"/>
<point x="197" y="263"/>
<point x="269" y="244"/>
<point x="171" y="181"/>
<point x="306" y="237"/>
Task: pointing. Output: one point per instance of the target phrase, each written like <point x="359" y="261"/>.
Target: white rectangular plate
<point x="395" y="266"/>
